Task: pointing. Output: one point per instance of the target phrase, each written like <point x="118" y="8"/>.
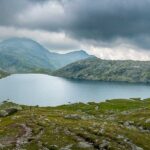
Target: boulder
<point x="8" y="112"/>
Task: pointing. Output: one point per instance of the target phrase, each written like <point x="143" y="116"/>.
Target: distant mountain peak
<point x="82" y="51"/>
<point x="78" y="53"/>
<point x="22" y="40"/>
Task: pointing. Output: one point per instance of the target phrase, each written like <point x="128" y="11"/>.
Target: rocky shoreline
<point x="115" y="124"/>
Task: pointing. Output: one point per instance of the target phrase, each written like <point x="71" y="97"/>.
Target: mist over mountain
<point x="22" y="55"/>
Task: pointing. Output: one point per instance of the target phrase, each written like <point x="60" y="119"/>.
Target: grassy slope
<point x="107" y="70"/>
<point x="114" y="124"/>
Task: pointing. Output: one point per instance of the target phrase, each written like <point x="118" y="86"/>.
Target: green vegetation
<point x="112" y="125"/>
<point x="107" y="70"/>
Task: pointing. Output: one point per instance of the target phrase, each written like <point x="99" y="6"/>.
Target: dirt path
<point x="25" y="135"/>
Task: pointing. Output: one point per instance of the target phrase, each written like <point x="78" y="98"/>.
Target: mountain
<point x="22" y="55"/>
<point x="107" y="70"/>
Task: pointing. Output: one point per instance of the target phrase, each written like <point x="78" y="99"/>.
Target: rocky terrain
<point x="117" y="124"/>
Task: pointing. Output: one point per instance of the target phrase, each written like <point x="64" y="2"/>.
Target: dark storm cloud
<point x="110" y="19"/>
<point x="98" y="20"/>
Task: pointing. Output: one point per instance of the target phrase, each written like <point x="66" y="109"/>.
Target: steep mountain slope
<point x="107" y="70"/>
<point x="19" y="55"/>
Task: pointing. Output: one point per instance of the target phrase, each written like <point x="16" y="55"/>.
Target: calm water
<point x="38" y="89"/>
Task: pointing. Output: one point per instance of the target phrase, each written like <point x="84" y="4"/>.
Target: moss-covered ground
<point x="118" y="124"/>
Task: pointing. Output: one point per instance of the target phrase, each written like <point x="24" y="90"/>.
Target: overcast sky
<point x="110" y="29"/>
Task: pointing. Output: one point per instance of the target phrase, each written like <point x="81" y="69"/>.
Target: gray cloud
<point x="9" y="9"/>
<point x="102" y="21"/>
<point x="110" y="19"/>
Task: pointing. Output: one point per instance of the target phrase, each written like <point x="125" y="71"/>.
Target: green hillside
<point x="107" y="70"/>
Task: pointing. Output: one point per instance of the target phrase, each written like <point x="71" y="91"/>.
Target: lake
<point x="45" y="90"/>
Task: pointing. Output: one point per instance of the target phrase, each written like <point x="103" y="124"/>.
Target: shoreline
<point x="78" y="79"/>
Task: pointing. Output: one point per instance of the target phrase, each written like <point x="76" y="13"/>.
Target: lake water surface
<point x="43" y="90"/>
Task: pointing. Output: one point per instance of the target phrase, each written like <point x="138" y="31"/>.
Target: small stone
<point x="134" y="147"/>
<point x="84" y="145"/>
<point x="147" y="120"/>
<point x="1" y="146"/>
<point x="68" y="147"/>
<point x="101" y="131"/>
<point x="120" y="137"/>
<point x="111" y="118"/>
<point x="104" y="145"/>
<point x="72" y="116"/>
<point x="139" y="148"/>
<point x="96" y="108"/>
<point x="87" y="117"/>
<point x="126" y="123"/>
<point x="131" y="122"/>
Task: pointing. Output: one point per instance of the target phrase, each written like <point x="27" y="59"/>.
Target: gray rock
<point x="72" y="116"/>
<point x="96" y="108"/>
<point x="110" y="118"/>
<point x="1" y="146"/>
<point x="120" y="137"/>
<point x="68" y="147"/>
<point x="147" y="120"/>
<point x="101" y="131"/>
<point x="128" y="123"/>
<point x="104" y="145"/>
<point x="143" y="130"/>
<point x="84" y="145"/>
<point x="133" y="146"/>
<point x="87" y="117"/>
<point x="124" y="113"/>
<point x="7" y="112"/>
<point x="131" y="122"/>
<point x="3" y="113"/>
